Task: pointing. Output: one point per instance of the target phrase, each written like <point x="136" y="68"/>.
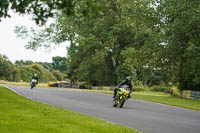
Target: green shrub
<point x="27" y="72"/>
<point x="137" y="83"/>
<point x="84" y="85"/>
<point x="160" y="89"/>
<point x="59" y="75"/>
<point x="175" y="91"/>
<point x="49" y="76"/>
<point x="14" y="75"/>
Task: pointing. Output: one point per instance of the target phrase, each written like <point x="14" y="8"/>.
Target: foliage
<point x="59" y="63"/>
<point x="15" y="74"/>
<point x="24" y="70"/>
<point x="97" y="41"/>
<point x="102" y="40"/>
<point x="171" y="52"/>
<point x="46" y="65"/>
<point x="21" y="62"/>
<point x="175" y="91"/>
<point x="181" y="41"/>
<point x="28" y="71"/>
<point x="154" y="41"/>
<point x="6" y="68"/>
<point x="160" y="89"/>
<point x="41" y="10"/>
<point x="84" y="85"/>
<point x="59" y="75"/>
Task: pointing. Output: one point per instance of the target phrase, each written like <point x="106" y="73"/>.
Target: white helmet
<point x="128" y="78"/>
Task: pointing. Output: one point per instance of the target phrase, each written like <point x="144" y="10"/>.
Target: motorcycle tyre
<point x="32" y="86"/>
<point x="115" y="102"/>
<point x="122" y="103"/>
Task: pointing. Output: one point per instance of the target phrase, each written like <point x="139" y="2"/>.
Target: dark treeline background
<point x="153" y="41"/>
<point x="24" y="70"/>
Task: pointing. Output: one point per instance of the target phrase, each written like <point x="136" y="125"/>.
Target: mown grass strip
<point x="22" y="84"/>
<point x="166" y="98"/>
<point x="21" y="115"/>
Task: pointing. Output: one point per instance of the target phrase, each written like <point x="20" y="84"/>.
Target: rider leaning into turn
<point x="35" y="77"/>
<point x="127" y="82"/>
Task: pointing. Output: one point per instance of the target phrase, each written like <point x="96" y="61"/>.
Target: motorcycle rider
<point x="127" y="82"/>
<point x="35" y="77"/>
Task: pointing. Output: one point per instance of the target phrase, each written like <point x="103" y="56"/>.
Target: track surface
<point x="144" y="116"/>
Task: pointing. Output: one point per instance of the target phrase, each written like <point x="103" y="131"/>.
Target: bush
<point x="160" y="89"/>
<point x="190" y="84"/>
<point x="6" y="68"/>
<point x="43" y="74"/>
<point x="11" y="72"/>
<point x="26" y="73"/>
<point x="59" y="76"/>
<point x="175" y="91"/>
<point x="84" y="85"/>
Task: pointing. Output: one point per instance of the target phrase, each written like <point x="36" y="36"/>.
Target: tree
<point x="97" y="41"/>
<point x="21" y="62"/>
<point x="46" y="65"/>
<point x="180" y="39"/>
<point x="28" y="71"/>
<point x="59" y="76"/>
<point x="5" y="67"/>
<point x="24" y="70"/>
<point x="149" y="39"/>
<point x="43" y="9"/>
<point x="126" y="25"/>
<point x="59" y="63"/>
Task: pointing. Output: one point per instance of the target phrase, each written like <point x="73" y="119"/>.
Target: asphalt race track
<point x="144" y="116"/>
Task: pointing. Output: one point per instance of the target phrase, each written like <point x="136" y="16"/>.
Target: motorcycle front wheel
<point x="122" y="101"/>
<point x="115" y="102"/>
<point x="32" y="86"/>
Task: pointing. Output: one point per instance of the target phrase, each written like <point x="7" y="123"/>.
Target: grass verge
<point x="22" y="84"/>
<point x="21" y="115"/>
<point x="168" y="99"/>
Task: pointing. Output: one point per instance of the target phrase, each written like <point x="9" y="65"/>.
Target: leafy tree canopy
<point x="24" y="70"/>
<point x="43" y="9"/>
<point x="59" y="63"/>
<point x="97" y="41"/>
<point x="147" y="39"/>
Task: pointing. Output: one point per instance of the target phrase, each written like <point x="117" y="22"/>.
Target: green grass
<point x="26" y="84"/>
<point x="164" y="98"/>
<point x="21" y="115"/>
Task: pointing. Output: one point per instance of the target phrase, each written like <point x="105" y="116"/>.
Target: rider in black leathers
<point x="127" y="82"/>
